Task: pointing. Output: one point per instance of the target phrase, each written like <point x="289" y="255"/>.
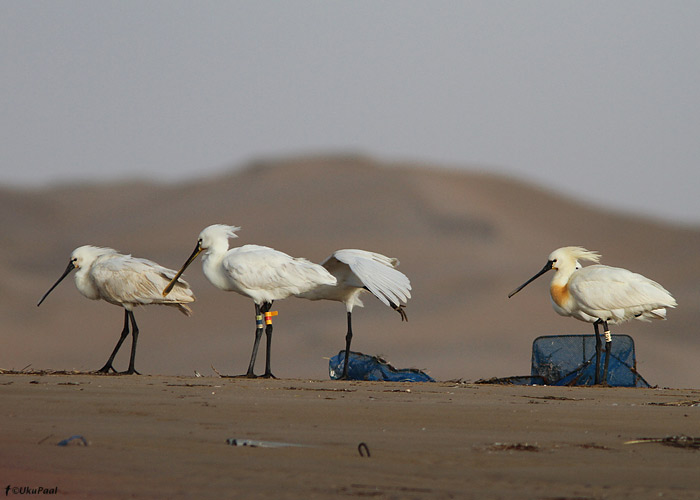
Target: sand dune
<point x="464" y="239"/>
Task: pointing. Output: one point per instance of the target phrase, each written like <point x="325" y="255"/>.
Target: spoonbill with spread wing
<point x="258" y="272"/>
<point x="600" y="294"/>
<point x="126" y="281"/>
<point x="359" y="271"/>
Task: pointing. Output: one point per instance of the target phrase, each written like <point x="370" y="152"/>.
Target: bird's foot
<point x="244" y="375"/>
<point x="248" y="374"/>
<point x="401" y="311"/>
<point x="106" y="369"/>
<point x="267" y="375"/>
<point x="130" y="371"/>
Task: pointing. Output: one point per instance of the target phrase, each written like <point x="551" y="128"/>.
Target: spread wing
<point x="372" y="270"/>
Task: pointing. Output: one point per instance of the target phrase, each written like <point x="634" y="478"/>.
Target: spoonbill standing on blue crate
<point x="255" y="271"/>
<point x="359" y="271"/>
<point x="600" y="294"/>
<point x="123" y="280"/>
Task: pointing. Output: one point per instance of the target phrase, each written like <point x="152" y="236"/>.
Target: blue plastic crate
<point x="570" y="360"/>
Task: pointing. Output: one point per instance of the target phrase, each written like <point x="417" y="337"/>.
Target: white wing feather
<point x="123" y="279"/>
<point x="374" y="271"/>
<point x="622" y="293"/>
<point x="268" y="274"/>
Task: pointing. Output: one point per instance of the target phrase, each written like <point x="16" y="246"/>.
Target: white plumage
<point x="601" y="294"/>
<point x="255" y="271"/>
<point x="126" y="281"/>
<point x="359" y="271"/>
<point x="616" y="295"/>
<point x="262" y="273"/>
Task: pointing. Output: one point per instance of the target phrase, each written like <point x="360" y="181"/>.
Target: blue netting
<point x="570" y="360"/>
<point x="365" y="367"/>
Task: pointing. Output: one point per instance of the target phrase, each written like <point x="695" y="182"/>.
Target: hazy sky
<point x="600" y="99"/>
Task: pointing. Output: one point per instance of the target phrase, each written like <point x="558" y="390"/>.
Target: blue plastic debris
<point x="366" y="367"/>
<point x="80" y="440"/>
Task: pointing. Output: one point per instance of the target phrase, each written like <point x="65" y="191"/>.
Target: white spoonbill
<point x="125" y="281"/>
<point x="258" y="272"/>
<point x="359" y="271"/>
<point x="601" y="294"/>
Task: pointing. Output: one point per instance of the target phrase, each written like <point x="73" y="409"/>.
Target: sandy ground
<point x="166" y="437"/>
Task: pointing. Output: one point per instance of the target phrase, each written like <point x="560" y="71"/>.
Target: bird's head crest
<point x="575" y="254"/>
<point x="217" y="232"/>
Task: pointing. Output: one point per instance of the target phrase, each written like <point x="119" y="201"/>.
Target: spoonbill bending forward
<point x="600" y="295"/>
<point x="258" y="272"/>
<point x="125" y="281"/>
<point x="360" y="271"/>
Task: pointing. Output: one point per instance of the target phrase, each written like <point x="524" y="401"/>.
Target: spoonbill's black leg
<point x="125" y="331"/>
<point x="348" y="340"/>
<point x="348" y="337"/>
<point x="598" y="349"/>
<point x="259" y="326"/>
<point x="268" y="334"/>
<point x="608" y="349"/>
<point x="134" y="337"/>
